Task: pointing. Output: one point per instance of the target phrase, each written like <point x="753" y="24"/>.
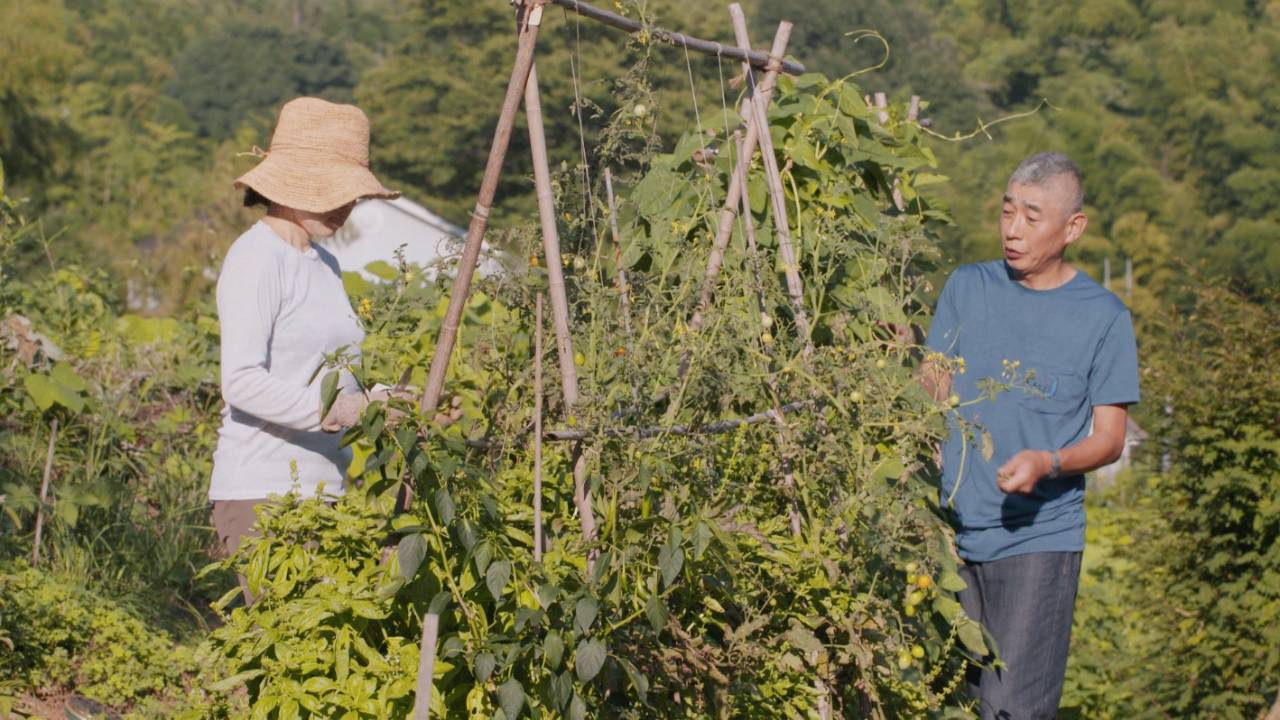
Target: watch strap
<point x="1055" y="469"/>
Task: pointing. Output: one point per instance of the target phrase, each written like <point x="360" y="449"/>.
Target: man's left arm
<point x="1021" y="473"/>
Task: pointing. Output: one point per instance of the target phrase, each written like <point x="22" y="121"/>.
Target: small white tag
<point x="535" y="16"/>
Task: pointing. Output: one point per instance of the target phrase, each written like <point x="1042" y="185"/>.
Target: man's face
<point x="1037" y="223"/>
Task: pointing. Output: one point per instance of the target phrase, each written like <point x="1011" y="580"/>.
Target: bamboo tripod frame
<point x="523" y="84"/>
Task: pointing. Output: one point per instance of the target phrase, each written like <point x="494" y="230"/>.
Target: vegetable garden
<point x="736" y="517"/>
<point x="672" y="461"/>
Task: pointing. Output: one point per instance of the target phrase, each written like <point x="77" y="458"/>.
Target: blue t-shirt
<point x="1074" y="348"/>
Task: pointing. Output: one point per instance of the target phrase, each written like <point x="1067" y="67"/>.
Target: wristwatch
<point x="1056" y="468"/>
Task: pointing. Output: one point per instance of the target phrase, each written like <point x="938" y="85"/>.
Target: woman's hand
<point x="348" y="408"/>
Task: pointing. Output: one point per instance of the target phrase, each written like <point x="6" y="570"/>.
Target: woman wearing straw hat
<point x="282" y="308"/>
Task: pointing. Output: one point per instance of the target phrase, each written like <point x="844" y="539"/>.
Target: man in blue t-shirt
<point x="1062" y="349"/>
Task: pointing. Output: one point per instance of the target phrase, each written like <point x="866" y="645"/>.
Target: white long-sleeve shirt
<point x="281" y="310"/>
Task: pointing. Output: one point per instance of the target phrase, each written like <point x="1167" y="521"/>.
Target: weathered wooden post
<point x="773" y="180"/>
<point x="559" y="302"/>
<point x="530" y="14"/>
<point x="737" y="184"/>
<point x="537" y="432"/>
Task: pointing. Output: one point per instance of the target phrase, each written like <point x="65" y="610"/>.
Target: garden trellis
<point x="523" y="84"/>
<point x="736" y="502"/>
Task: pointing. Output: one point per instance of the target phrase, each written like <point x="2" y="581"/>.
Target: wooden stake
<point x="550" y="238"/>
<point x="537" y="433"/>
<point x="737" y="184"/>
<point x="788" y="478"/>
<point x="426" y="666"/>
<point x="707" y="47"/>
<point x="773" y="179"/>
<point x="882" y="113"/>
<point x="749" y="229"/>
<point x="531" y="14"/>
<point x="44" y="490"/>
<point x="559" y="302"/>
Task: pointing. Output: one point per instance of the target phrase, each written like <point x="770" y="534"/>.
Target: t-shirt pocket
<point x="1050" y="389"/>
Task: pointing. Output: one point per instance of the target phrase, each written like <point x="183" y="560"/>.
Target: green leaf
<point x="410" y="553"/>
<point x="584" y="614"/>
<point x="671" y="557"/>
<point x="970" y="633"/>
<point x="496" y="577"/>
<point x="562" y="688"/>
<point x="328" y="391"/>
<point x="381" y="269"/>
<point x="40" y="388"/>
<point x="485" y="663"/>
<point x="589" y="659"/>
<point x="656" y="612"/>
<point x="511" y="698"/>
<point x="577" y="709"/>
<point x="637" y="678"/>
<point x="701" y="539"/>
<point x="64" y="375"/>
<point x="947" y="607"/>
<point x="355" y="284"/>
<point x="235" y="681"/>
<point x="949" y="580"/>
<point x="553" y="650"/>
<point x="444" y="506"/>
<point x="890" y="469"/>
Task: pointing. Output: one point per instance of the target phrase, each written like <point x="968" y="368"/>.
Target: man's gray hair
<point x="1040" y="167"/>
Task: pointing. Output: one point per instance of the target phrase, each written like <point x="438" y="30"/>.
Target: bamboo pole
<point x="707" y="47"/>
<point x="531" y="15"/>
<point x="537" y="434"/>
<point x="737" y="185"/>
<point x="749" y="231"/>
<point x="773" y="180"/>
<point x="550" y="238"/>
<point x="559" y="302"/>
<point x="426" y="666"/>
<point x="788" y="477"/>
<point x="44" y="491"/>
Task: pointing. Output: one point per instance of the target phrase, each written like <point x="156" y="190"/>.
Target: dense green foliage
<point x="122" y="137"/>
<point x="63" y="637"/>
<point x="1189" y="631"/>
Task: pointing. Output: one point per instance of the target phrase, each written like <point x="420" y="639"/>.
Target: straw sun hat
<point x="318" y="160"/>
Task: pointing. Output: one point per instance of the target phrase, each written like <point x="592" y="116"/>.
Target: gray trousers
<point x="1026" y="602"/>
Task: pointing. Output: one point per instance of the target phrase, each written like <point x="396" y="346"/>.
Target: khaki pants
<point x="234" y="520"/>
